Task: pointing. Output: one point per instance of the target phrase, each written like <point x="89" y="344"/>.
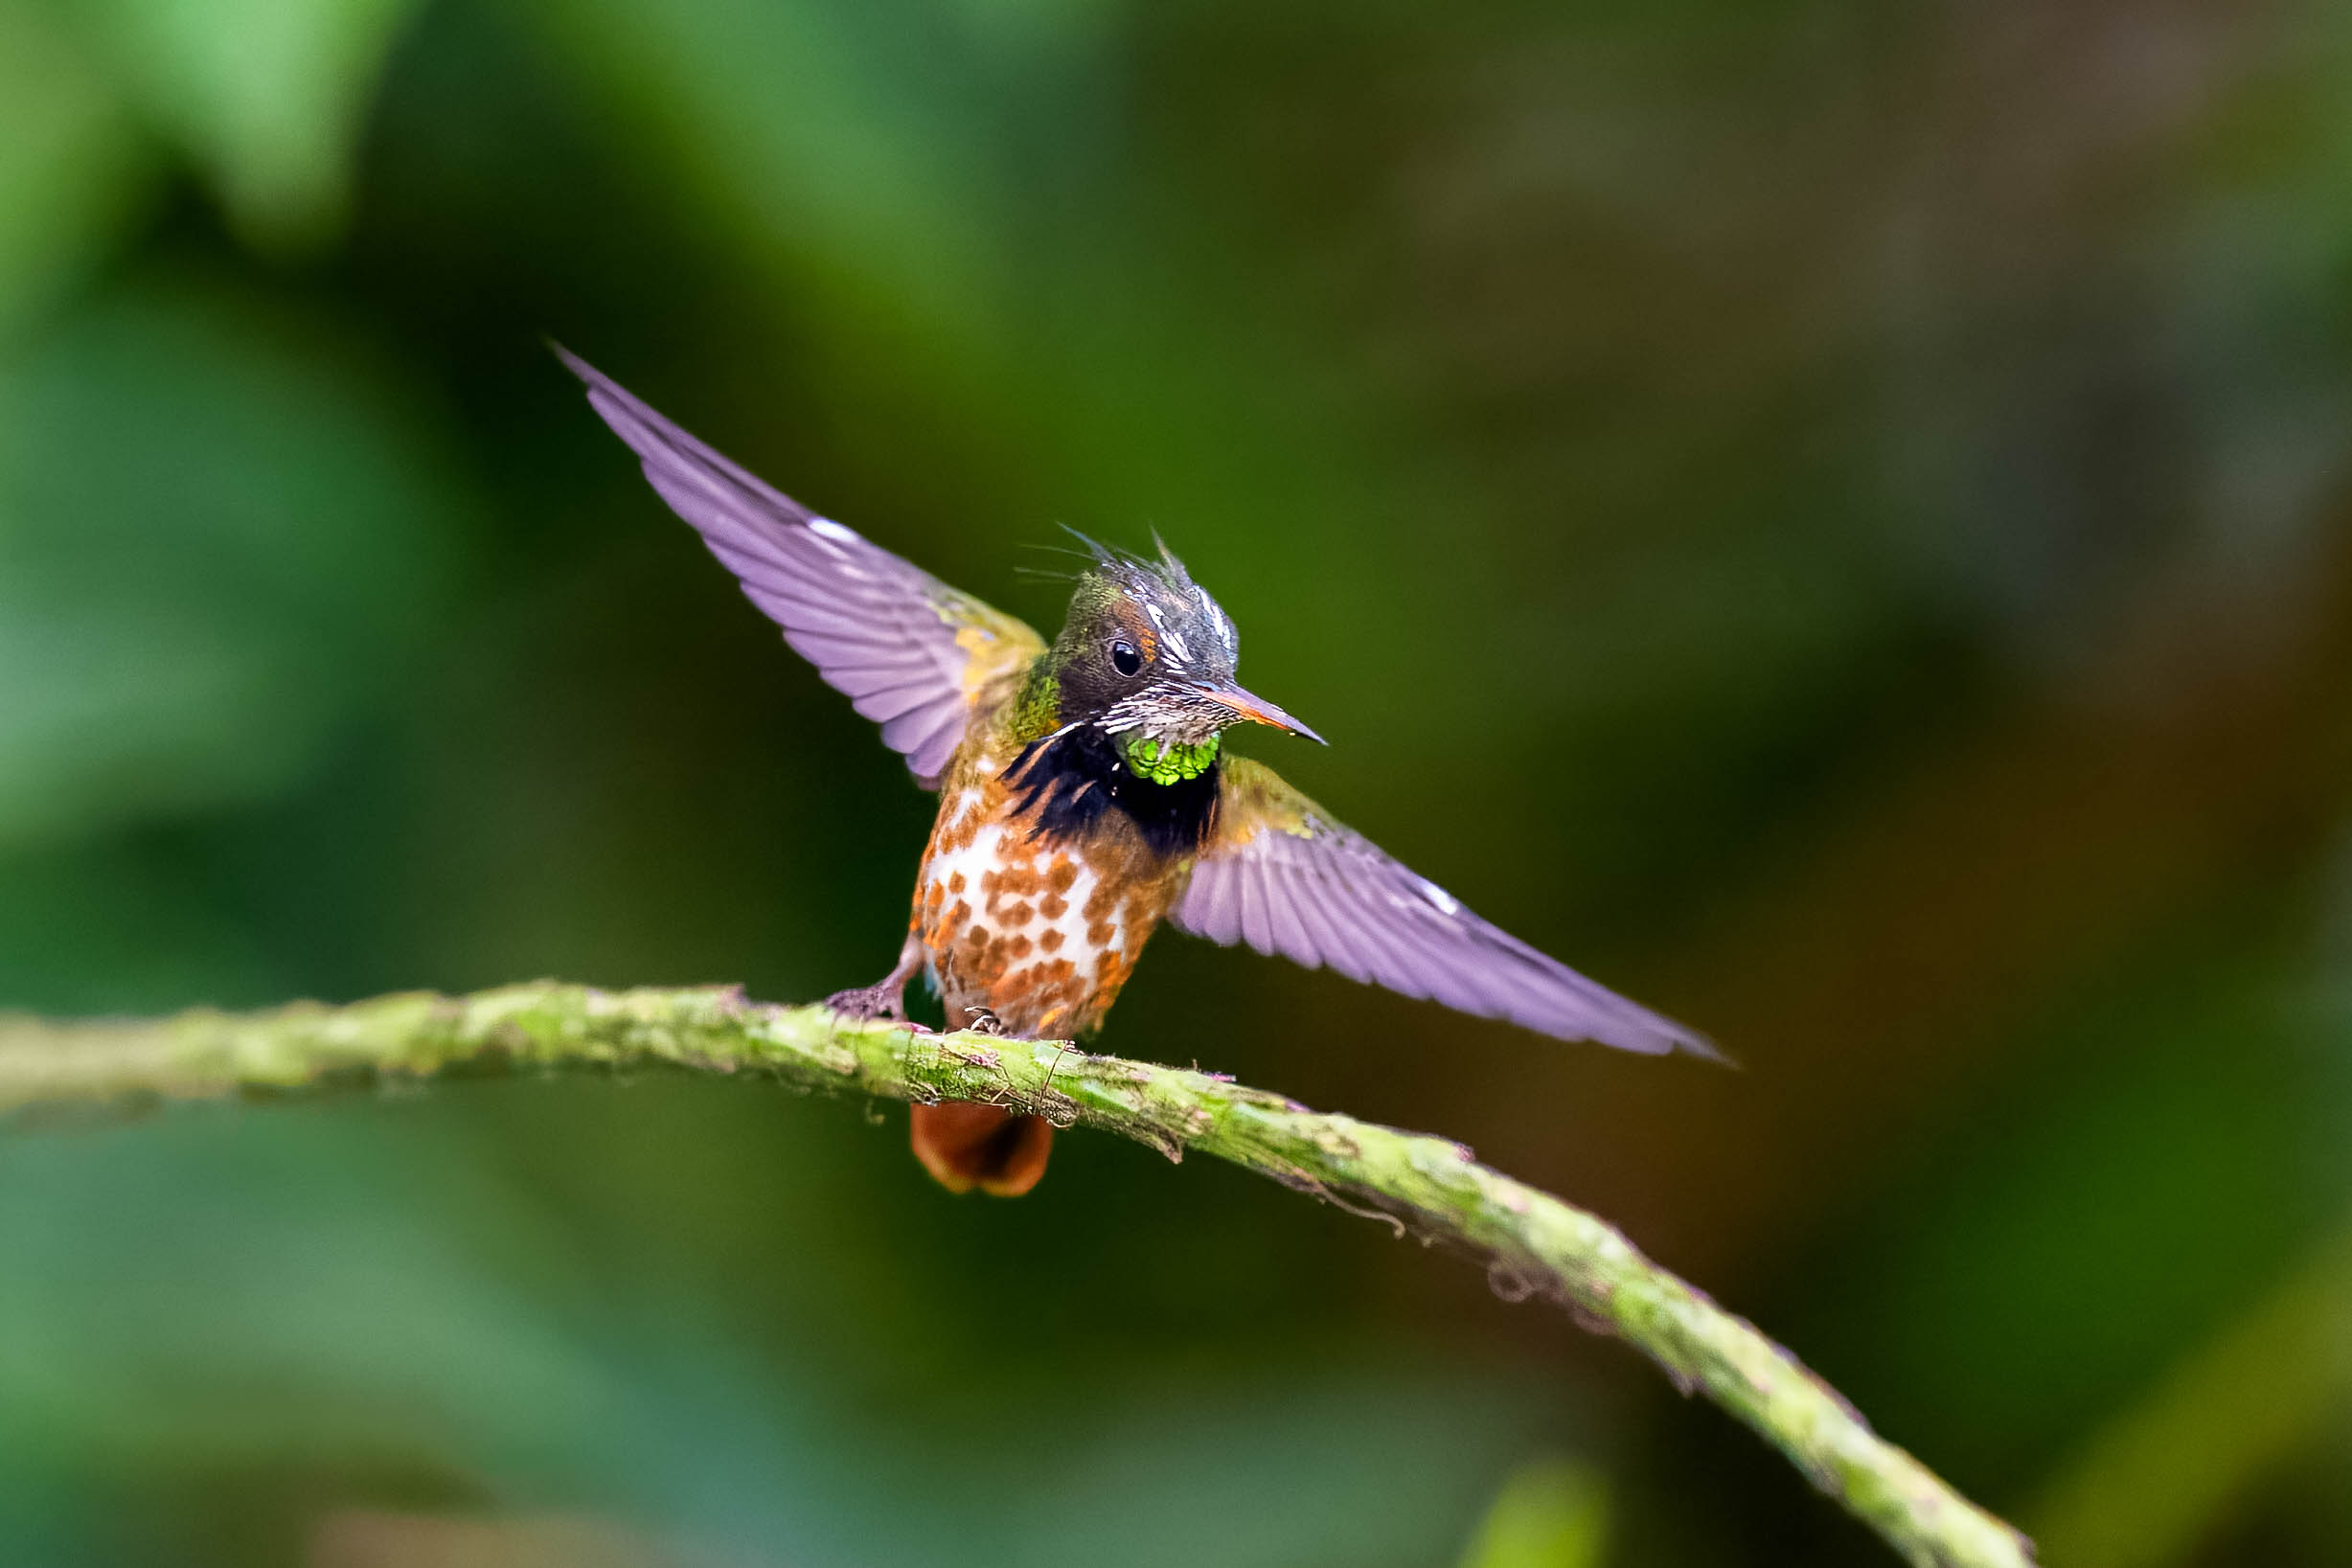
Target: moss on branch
<point x="1533" y="1243"/>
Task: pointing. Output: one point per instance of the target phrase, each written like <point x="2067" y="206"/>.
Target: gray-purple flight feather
<point x="893" y="638"/>
<point x="1284" y="877"/>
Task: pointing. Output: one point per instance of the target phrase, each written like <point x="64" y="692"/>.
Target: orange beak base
<point x="1257" y="711"/>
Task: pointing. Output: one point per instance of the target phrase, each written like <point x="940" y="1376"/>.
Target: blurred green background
<point x="1834" y="519"/>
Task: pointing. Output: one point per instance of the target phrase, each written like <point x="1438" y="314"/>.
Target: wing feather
<point x="1284" y="875"/>
<point x="909" y="653"/>
<point x="1256" y="929"/>
<point x="1324" y="932"/>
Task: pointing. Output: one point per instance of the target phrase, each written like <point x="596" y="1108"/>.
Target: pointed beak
<point x="1257" y="710"/>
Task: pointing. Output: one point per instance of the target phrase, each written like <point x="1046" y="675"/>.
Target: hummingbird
<point x="1086" y="797"/>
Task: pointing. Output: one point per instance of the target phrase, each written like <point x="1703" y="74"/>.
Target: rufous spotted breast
<point x="1086" y="796"/>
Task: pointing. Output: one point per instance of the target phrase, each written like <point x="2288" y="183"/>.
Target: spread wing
<point x="910" y="653"/>
<point x="1280" y="874"/>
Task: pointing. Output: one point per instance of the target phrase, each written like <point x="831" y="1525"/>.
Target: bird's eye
<point x="1123" y="658"/>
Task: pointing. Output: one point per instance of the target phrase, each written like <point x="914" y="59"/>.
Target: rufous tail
<point x="965" y="1146"/>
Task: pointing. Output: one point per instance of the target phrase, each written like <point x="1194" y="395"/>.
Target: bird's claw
<point x="983" y="1021"/>
<point x="877" y="1001"/>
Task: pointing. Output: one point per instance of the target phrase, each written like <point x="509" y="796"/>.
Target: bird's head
<point x="1147" y="658"/>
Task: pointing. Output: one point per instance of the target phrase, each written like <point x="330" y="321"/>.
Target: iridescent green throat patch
<point x="1167" y="762"/>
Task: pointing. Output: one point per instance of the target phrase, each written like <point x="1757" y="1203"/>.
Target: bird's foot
<point x="883" y="999"/>
<point x="983" y="1021"/>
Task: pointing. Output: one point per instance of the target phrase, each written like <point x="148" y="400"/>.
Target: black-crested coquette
<point x="1086" y="796"/>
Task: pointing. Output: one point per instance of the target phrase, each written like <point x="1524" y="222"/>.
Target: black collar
<point x="1069" y="780"/>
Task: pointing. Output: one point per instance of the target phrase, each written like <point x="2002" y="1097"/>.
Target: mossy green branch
<point x="1533" y="1243"/>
